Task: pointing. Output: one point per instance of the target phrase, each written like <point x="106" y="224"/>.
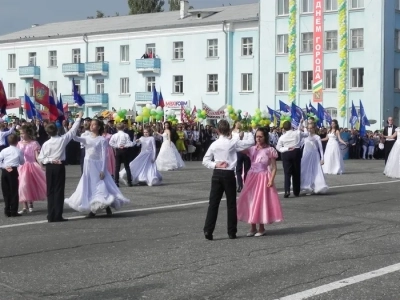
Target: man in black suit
<point x="41" y="135"/>
<point x="388" y="131"/>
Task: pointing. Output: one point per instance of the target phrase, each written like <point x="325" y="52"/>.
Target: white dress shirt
<point x="390" y="132"/>
<point x="4" y="134"/>
<point x="290" y="139"/>
<point x="11" y="157"/>
<point x="224" y="150"/>
<point x="121" y="139"/>
<point x="54" y="148"/>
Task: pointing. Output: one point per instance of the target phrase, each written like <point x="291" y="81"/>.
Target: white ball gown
<point x="92" y="193"/>
<point x="143" y="167"/>
<point x="333" y="160"/>
<point x="392" y="168"/>
<point x="312" y="176"/>
<point x="169" y="158"/>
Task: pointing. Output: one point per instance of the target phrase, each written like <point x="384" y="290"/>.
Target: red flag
<point x="3" y="99"/>
<point x="41" y="93"/>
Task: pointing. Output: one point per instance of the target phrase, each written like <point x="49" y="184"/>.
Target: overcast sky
<point x="17" y="15"/>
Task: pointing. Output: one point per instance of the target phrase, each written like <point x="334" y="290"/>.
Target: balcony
<point x="143" y="96"/>
<point x="73" y="69"/>
<point x="148" y="65"/>
<point x="90" y="100"/>
<point x="96" y="68"/>
<point x="30" y="72"/>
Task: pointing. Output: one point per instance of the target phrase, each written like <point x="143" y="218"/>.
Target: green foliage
<point x="145" y="6"/>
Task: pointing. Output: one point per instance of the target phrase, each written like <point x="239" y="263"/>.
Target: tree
<point x="174" y="5"/>
<point x="145" y="6"/>
<point x="100" y="15"/>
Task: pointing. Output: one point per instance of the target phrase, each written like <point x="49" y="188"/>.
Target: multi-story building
<point x="208" y="55"/>
<point x="353" y="47"/>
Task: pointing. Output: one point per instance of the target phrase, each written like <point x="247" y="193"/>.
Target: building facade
<point x="208" y="56"/>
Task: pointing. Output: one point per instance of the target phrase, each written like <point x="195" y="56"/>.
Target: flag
<point x="77" y="97"/>
<point x="363" y="120"/>
<point x="161" y="100"/>
<point x="307" y="110"/>
<point x="354" y="116"/>
<point x="194" y="113"/>
<point x="60" y="108"/>
<point x="3" y="99"/>
<point x="277" y="115"/>
<point x="155" y="97"/>
<point x="271" y="113"/>
<point x="320" y="113"/>
<point x="297" y="115"/>
<point x="42" y="93"/>
<point x="327" y="116"/>
<point x="29" y="107"/>
<point x="53" y="110"/>
<point x="313" y="110"/>
<point x="284" y="107"/>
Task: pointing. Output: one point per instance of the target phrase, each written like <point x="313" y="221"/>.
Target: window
<point x="31" y="89"/>
<point x="124" y="86"/>
<point x="331" y="40"/>
<point x="396" y="80"/>
<point x="282" y="44"/>
<point x="247" y="46"/>
<point x="53" y="86"/>
<point x="212" y="48"/>
<point x="283" y="7"/>
<point x="150" y="83"/>
<point x="357" y="4"/>
<point x="78" y="85"/>
<point x="11" y="90"/>
<point x="52" y="58"/>
<point x="331" y="5"/>
<point x="125" y="53"/>
<point x="357" y="38"/>
<point x="283" y="82"/>
<point x="76" y="56"/>
<point x="99" y="54"/>
<point x="32" y="58"/>
<point x="306" y="80"/>
<point x="212" y="83"/>
<point x="12" y="58"/>
<point x="397" y="4"/>
<point x="307" y="42"/>
<point x="151" y="50"/>
<point x="396" y="39"/>
<point x="332" y="111"/>
<point x="178" y="84"/>
<point x="247" y="82"/>
<point x="357" y="78"/>
<point x="99" y="86"/>
<point x="330" y="79"/>
<point x="178" y="50"/>
<point x="307" y="6"/>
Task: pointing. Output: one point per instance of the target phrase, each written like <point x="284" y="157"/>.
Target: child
<point x="223" y="152"/>
<point x="10" y="159"/>
<point x="259" y="201"/>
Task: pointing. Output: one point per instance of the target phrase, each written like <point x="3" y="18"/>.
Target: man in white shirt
<point x="289" y="145"/>
<point x="388" y="131"/>
<point x="222" y="157"/>
<point x="10" y="158"/>
<point x="52" y="155"/>
<point x="4" y="134"/>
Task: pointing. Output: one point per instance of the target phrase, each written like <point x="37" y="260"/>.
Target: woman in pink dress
<point x="32" y="178"/>
<point x="259" y="202"/>
<point x="110" y="154"/>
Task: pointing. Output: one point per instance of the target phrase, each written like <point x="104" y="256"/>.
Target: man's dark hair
<point x="51" y="129"/>
<point x="287" y="125"/>
<point x="224" y="128"/>
<point x="12" y="139"/>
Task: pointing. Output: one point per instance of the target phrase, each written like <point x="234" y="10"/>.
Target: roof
<point x="131" y="23"/>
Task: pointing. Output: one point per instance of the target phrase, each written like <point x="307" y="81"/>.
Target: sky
<point x="16" y="15"/>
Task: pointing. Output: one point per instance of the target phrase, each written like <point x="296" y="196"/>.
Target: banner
<point x="45" y="114"/>
<point x="318" y="52"/>
<point x="176" y="104"/>
<point x="214" y="114"/>
<point x="13" y="103"/>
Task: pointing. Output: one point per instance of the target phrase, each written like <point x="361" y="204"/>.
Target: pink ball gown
<point x="110" y="155"/>
<point x="259" y="204"/>
<point x="32" y="179"/>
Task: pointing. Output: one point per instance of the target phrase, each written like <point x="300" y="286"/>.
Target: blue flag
<point x="272" y="114"/>
<point x="297" y="114"/>
<point x="155" y="97"/>
<point x="327" y="116"/>
<point x="354" y="116"/>
<point x="77" y="97"/>
<point x="320" y="113"/>
<point x="277" y="117"/>
<point x="60" y="108"/>
<point x="284" y="107"/>
<point x="363" y="120"/>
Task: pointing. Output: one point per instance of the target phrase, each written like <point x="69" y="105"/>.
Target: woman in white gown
<point x="392" y="168"/>
<point x="333" y="159"/>
<point x="143" y="167"/>
<point x="169" y="158"/>
<point x="312" y="176"/>
<point x="96" y="189"/>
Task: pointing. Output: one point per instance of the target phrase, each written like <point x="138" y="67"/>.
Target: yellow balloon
<point x="117" y="119"/>
<point x="139" y="119"/>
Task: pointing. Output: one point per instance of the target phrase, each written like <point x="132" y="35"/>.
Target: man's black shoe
<point x="208" y="236"/>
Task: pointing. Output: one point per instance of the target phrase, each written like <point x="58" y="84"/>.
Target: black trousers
<point x="55" y="180"/>
<point x="222" y="181"/>
<point x="82" y="159"/>
<point x="9" y="186"/>
<point x="388" y="148"/>
<point x="291" y="161"/>
<point x="122" y="156"/>
<point x="243" y="162"/>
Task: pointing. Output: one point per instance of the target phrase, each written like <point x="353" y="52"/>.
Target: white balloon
<point x="148" y="106"/>
<point x="153" y="106"/>
<point x="226" y="110"/>
<point x="159" y="108"/>
<point x="200" y="120"/>
<point x="226" y="114"/>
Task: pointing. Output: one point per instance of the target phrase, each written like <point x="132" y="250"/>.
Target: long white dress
<point x="169" y="158"/>
<point x="333" y="160"/>
<point x="312" y="176"/>
<point x="92" y="193"/>
<point x="143" y="167"/>
<point x="392" y="168"/>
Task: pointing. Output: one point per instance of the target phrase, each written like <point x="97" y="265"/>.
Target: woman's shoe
<point x="260" y="233"/>
<point x="108" y="211"/>
<point x="91" y="215"/>
<point x="251" y="233"/>
<point x="23" y="211"/>
<point x="30" y="209"/>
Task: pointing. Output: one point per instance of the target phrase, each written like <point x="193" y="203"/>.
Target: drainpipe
<point x="259" y="56"/>
<point x="381" y="121"/>
<point x="86" y="40"/>
<point x="226" y="61"/>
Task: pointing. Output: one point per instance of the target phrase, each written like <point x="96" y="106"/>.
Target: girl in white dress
<point x="143" y="167"/>
<point x="392" y="168"/>
<point x="96" y="189"/>
<point x="312" y="176"/>
<point x="169" y="158"/>
<point x="333" y="160"/>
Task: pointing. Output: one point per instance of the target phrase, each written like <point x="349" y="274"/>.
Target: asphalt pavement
<point x="154" y="247"/>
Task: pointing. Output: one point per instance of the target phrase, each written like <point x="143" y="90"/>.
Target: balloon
<point x="115" y="115"/>
<point x="139" y="119"/>
<point x="158" y="117"/>
<point x="153" y="106"/>
<point x="200" y="120"/>
<point x="159" y="108"/>
<point x="145" y="119"/>
<point x="148" y="106"/>
<point x="203" y="112"/>
<point x="174" y="122"/>
<point x="117" y="119"/>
